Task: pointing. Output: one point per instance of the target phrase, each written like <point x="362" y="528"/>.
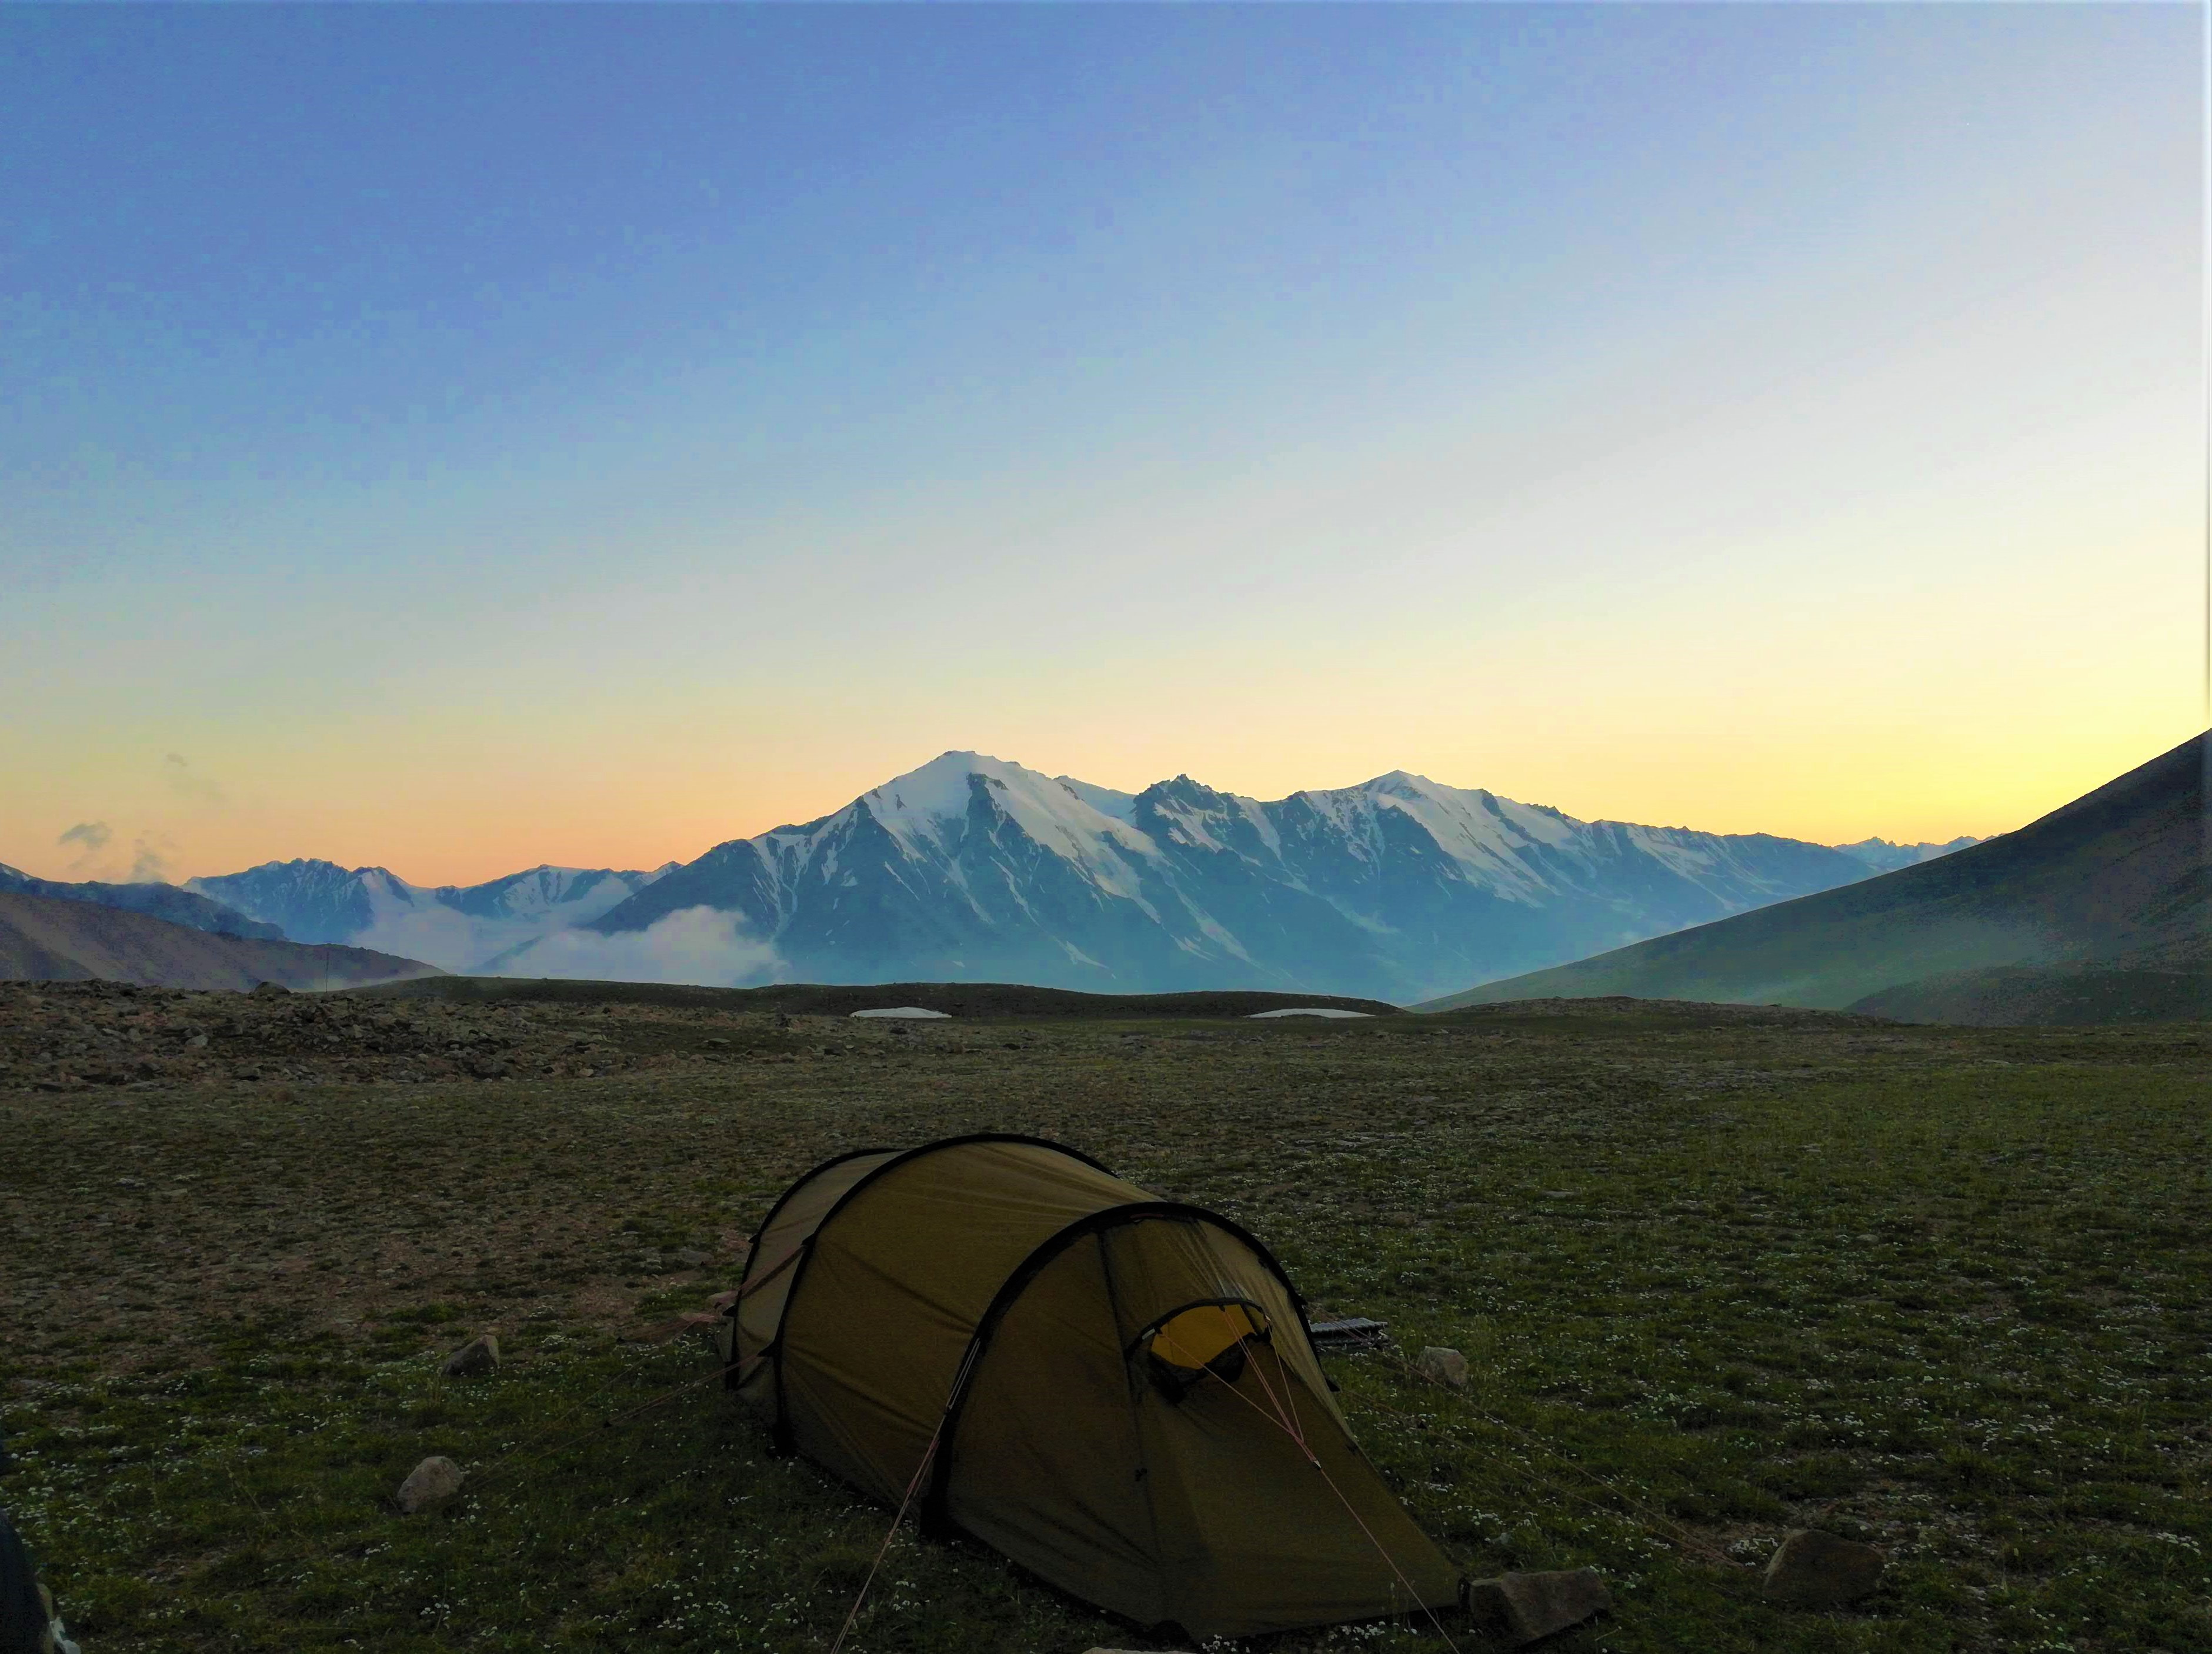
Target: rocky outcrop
<point x="1519" y="1609"/>
<point x="474" y="1358"/>
<point x="1813" y="1570"/>
<point x="429" y="1484"/>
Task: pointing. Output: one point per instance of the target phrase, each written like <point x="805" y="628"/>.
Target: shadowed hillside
<point x="2117" y="880"/>
<point x="2011" y="996"/>
<point x="46" y="938"/>
<point x="179" y="907"/>
<point x="975" y="1000"/>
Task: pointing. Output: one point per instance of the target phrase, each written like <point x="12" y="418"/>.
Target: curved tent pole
<point x="752" y="1247"/>
<point x="934" y="1517"/>
<point x="773" y="1349"/>
<point x="747" y="1283"/>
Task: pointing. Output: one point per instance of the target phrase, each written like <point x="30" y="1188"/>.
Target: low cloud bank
<point x="440" y="936"/>
<point x="695" y="945"/>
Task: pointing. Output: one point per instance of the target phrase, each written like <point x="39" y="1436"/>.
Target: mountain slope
<point x="456" y="927"/>
<point x="2010" y="996"/>
<point x="179" y="907"/>
<point x="47" y="939"/>
<point x="974" y="868"/>
<point x="2117" y="879"/>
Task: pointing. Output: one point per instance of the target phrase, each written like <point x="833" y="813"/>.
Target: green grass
<point x="1946" y="1292"/>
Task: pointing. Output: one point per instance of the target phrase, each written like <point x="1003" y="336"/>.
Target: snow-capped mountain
<point x="974" y="868"/>
<point x="1883" y="856"/>
<point x="457" y="926"/>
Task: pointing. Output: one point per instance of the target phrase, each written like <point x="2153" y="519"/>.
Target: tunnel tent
<point x="1119" y="1392"/>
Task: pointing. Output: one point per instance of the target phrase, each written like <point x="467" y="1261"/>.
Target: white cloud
<point x="696" y="944"/>
<point x="150" y="863"/>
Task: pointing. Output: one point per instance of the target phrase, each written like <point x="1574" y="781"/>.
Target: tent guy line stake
<point x="883" y="1550"/>
<point x="614" y="1418"/>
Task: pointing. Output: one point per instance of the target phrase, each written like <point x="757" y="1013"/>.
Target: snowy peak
<point x="453" y="926"/>
<point x="939" y="791"/>
<point x="1883" y="856"/>
<point x="933" y="809"/>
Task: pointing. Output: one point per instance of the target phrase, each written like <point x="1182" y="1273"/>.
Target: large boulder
<point x="1442" y="1367"/>
<point x="1519" y="1609"/>
<point x="434" y="1481"/>
<point x="477" y="1356"/>
<point x="1813" y="1570"/>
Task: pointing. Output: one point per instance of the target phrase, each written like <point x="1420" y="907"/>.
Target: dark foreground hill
<point x="47" y="939"/>
<point x="971" y="999"/>
<point x="2018" y="996"/>
<point x="2094" y="913"/>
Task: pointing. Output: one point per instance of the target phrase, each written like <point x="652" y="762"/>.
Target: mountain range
<point x="178" y="907"/>
<point x="1883" y="856"/>
<point x="2099" y="911"/>
<point x="973" y="869"/>
<point x="455" y="926"/>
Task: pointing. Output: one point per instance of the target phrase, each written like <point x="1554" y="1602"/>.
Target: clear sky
<point x="460" y="438"/>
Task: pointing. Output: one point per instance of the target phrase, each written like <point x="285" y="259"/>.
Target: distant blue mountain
<point x="178" y="907"/>
<point x="454" y="927"/>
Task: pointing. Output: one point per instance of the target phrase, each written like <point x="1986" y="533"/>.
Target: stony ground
<point x="73" y="1037"/>
<point x="1716" y="1276"/>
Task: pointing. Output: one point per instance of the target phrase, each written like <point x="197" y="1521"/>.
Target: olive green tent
<point x="1118" y="1392"/>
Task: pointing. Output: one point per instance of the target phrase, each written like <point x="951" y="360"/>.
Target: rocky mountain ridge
<point x="179" y="907"/>
<point x="974" y="867"/>
<point x="454" y="927"/>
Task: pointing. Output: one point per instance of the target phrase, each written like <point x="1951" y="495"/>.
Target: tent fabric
<point x="1122" y="1391"/>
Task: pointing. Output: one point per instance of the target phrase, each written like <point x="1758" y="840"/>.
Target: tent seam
<point x="775" y="1346"/>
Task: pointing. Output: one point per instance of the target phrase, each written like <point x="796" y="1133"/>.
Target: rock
<point x="1522" y="1608"/>
<point x="1813" y="1570"/>
<point x="689" y="1258"/>
<point x="716" y="1044"/>
<point x="268" y="990"/>
<point x="478" y="1355"/>
<point x="488" y="1068"/>
<point x="431" y="1482"/>
<point x="1448" y="1367"/>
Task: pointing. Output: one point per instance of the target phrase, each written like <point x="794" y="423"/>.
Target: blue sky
<point x="484" y="435"/>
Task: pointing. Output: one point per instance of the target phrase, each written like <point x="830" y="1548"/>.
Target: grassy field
<point x="1948" y="1291"/>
